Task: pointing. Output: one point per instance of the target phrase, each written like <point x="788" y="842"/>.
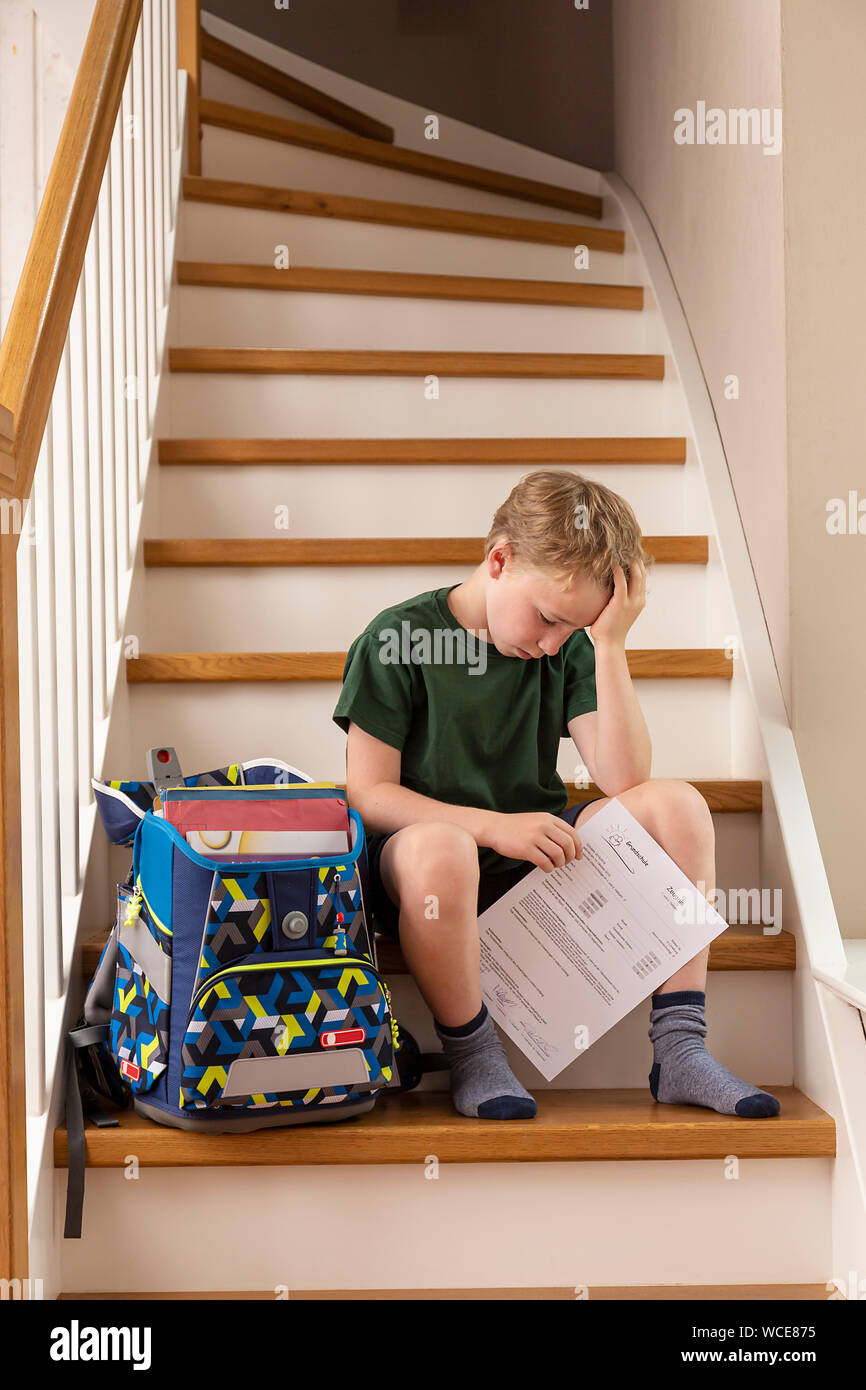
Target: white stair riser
<point x="245" y="318"/>
<point x="214" y="723"/>
<point x="232" y="154"/>
<point x="352" y="406"/>
<point x="748" y="1030"/>
<point x="476" y="1225"/>
<point x="402" y="499"/>
<point x="311" y="607"/>
<point x="214" y="231"/>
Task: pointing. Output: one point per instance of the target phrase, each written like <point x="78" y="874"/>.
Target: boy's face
<point x="530" y="614"/>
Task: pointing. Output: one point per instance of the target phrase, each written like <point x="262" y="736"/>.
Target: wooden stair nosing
<point x="598" y="1293"/>
<point x="653" y="663"/>
<point x="405" y="285"/>
<point x="738" y="948"/>
<point x="270" y="79"/>
<point x="432" y="166"/>
<point x="375" y="550"/>
<point x="631" y="366"/>
<point x="571" y="1126"/>
<point x="636" y="450"/>
<point x="410" y="216"/>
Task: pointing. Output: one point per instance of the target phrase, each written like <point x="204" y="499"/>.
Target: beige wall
<point x="766" y="255"/>
<point x="824" y="95"/>
<point x="717" y="210"/>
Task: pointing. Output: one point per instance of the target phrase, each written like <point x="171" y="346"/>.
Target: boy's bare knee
<point x="441" y="848"/>
<point x="430" y="857"/>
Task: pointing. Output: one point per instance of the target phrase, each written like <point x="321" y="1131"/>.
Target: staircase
<point x="308" y="476"/>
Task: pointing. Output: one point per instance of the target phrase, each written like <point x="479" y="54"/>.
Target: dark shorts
<point x="491" y="887"/>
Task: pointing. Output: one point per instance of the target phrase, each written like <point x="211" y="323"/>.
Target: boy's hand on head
<point x="625" y="605"/>
<point x="544" y="839"/>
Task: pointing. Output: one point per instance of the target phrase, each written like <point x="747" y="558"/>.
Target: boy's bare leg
<point x="431" y="871"/>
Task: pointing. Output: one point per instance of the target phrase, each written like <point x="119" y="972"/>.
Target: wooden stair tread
<point x="326" y="280"/>
<point x="741" y="947"/>
<point x="271" y="79"/>
<point x="596" y="1292"/>
<point x="373" y="550"/>
<point x="348" y="146"/>
<point x="415" y="362"/>
<point x="405" y="1127"/>
<point x="639" y="449"/>
<point x="723" y="794"/>
<point x="411" y="216"/>
<point x="653" y="663"/>
<point x="738" y="948"/>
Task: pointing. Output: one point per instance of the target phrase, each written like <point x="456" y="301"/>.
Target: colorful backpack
<point x="233" y="996"/>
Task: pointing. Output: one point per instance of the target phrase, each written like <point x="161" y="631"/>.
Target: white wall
<point x="717" y="210"/>
<point x="766" y="253"/>
<point x="40" y="49"/>
<point x="823" y="65"/>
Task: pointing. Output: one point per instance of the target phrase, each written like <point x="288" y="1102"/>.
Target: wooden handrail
<point x="189" y="44"/>
<point x="39" y="321"/>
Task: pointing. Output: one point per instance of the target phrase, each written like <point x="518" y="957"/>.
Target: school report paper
<point x="566" y="954"/>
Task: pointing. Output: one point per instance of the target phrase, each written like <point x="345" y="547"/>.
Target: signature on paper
<point x="543" y="1047"/>
<point x="504" y="997"/>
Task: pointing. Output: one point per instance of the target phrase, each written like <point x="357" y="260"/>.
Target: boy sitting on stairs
<point x="452" y="767"/>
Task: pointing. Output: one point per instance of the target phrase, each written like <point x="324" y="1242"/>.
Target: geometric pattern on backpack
<point x="238" y="918"/>
<point x="138" y="1027"/>
<point x="293" y="1005"/>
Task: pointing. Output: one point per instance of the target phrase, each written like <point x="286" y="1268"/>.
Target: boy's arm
<point x="373" y="789"/>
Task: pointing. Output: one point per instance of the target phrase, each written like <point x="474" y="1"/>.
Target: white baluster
<point x="81" y="385"/>
<point x="141" y="370"/>
<point x="94" y="262"/>
<point x="63" y="536"/>
<point x="43" y="493"/>
<point x="149" y="143"/>
<point x="114" y="350"/>
<point x="172" y="74"/>
<point x="169" y="83"/>
<point x="158" y="155"/>
<point x="31" y="813"/>
<point x="127" y="461"/>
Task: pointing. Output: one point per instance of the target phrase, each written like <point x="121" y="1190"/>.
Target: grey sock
<point x="685" y="1073"/>
<point x="482" y="1083"/>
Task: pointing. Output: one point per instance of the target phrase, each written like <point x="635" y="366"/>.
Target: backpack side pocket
<point x="138" y="1027"/>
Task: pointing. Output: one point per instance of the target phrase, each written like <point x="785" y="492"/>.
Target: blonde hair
<point x="565" y="525"/>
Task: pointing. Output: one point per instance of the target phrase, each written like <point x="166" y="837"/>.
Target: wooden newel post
<point x="189" y="58"/>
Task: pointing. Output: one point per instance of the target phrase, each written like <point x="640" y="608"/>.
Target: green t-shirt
<point x="475" y="728"/>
